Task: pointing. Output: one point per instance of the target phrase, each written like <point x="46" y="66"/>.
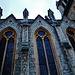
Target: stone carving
<point x="25" y="13"/>
<point x="51" y="14"/>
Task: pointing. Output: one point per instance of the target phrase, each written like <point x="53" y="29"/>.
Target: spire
<point x="0" y="12"/>
<point x="51" y="14"/>
<point x="25" y="15"/>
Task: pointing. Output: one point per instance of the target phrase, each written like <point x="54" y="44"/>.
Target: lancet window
<point x="45" y="55"/>
<point x="71" y="36"/>
<point x="7" y="45"/>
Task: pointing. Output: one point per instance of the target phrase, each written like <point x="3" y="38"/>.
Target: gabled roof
<point x="39" y="16"/>
<point x="3" y="20"/>
<point x="11" y="16"/>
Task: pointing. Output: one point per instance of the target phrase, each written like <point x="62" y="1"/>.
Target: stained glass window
<point x="45" y="55"/>
<point x="72" y="42"/>
<point x="42" y="60"/>
<point x="71" y="32"/>
<point x="2" y="48"/>
<point x="50" y="58"/>
<point x="71" y="36"/>
<point x="9" y="33"/>
<point x="41" y="33"/>
<point x="6" y="48"/>
<point x="8" y="58"/>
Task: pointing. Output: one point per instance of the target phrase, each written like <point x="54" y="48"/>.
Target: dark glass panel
<point x="72" y="42"/>
<point x="63" y="5"/>
<point x="8" y="58"/>
<point x="41" y="33"/>
<point x="41" y="55"/>
<point x="65" y="1"/>
<point x="2" y="48"/>
<point x="8" y="33"/>
<point x="51" y="62"/>
<point x="71" y="32"/>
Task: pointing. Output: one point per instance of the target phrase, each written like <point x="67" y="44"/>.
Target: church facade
<point x="40" y="46"/>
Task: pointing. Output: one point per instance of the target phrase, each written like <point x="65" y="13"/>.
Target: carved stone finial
<point x="51" y="14"/>
<point x="0" y="12"/>
<point x="25" y="14"/>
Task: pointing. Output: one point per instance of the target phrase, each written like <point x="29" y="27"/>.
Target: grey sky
<point x="34" y="7"/>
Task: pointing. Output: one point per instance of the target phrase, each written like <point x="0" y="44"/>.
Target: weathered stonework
<point x="26" y="53"/>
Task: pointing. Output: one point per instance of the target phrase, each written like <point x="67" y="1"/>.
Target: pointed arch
<point x="7" y="49"/>
<point x="44" y="50"/>
<point x="71" y="36"/>
<point x="42" y="29"/>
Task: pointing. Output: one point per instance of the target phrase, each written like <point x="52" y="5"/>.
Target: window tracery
<point x="71" y="36"/>
<point x="7" y="45"/>
<point x="45" y="56"/>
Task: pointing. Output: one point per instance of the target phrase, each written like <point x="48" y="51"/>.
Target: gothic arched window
<point x="7" y="42"/>
<point x="45" y="56"/>
<point x="71" y="36"/>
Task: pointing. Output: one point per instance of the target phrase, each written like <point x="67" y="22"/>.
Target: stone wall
<point x="26" y="55"/>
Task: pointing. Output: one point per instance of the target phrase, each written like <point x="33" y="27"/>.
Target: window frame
<point x="72" y="36"/>
<point x="48" y="35"/>
<point x="14" y="36"/>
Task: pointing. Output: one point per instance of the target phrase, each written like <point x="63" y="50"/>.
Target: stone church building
<point x="40" y="46"/>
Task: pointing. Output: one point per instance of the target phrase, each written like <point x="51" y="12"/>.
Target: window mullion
<point x="46" y="56"/>
<point x="4" y="56"/>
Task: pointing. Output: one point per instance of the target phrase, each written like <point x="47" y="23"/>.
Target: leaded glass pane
<point x="72" y="42"/>
<point x="41" y="33"/>
<point x="41" y="55"/>
<point x="51" y="62"/>
<point x="2" y="48"/>
<point x="9" y="33"/>
<point x="70" y="32"/>
<point x="8" y="58"/>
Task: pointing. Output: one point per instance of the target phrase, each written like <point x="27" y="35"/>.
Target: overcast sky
<point x="34" y="7"/>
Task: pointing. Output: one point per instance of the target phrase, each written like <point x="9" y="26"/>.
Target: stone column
<point x="60" y="33"/>
<point x="64" y="45"/>
<point x="25" y="34"/>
